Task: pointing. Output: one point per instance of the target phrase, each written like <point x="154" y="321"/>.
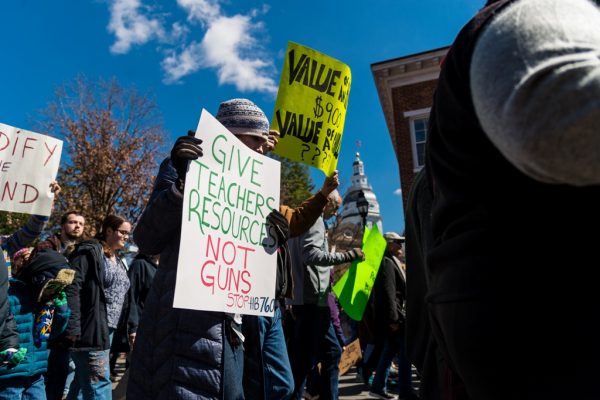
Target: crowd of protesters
<point x="450" y="308"/>
<point x="78" y="292"/>
<point x="59" y="307"/>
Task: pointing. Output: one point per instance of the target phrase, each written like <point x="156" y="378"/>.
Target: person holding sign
<point x="9" y="338"/>
<point x="314" y="337"/>
<point x="191" y="354"/>
<point x="385" y="320"/>
<point x="245" y="120"/>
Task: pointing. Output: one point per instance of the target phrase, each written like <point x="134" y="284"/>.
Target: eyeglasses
<point x="123" y="232"/>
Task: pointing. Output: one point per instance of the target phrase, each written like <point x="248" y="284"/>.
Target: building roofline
<point x="408" y="57"/>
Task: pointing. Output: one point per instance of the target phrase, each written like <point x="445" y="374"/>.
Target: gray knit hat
<point x="243" y="117"/>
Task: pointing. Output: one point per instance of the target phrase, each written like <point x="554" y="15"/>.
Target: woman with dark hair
<point x="96" y="299"/>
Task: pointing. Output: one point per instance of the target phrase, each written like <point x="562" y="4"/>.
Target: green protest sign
<point x="354" y="287"/>
<point x="311" y="107"/>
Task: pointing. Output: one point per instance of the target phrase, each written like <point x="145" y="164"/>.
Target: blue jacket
<point x="21" y="238"/>
<point x="178" y="354"/>
<point x="24" y="310"/>
<point x="8" y="329"/>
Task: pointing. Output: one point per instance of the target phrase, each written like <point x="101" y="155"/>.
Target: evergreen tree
<point x="296" y="183"/>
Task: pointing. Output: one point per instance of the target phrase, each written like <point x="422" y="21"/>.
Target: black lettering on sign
<point x="304" y="128"/>
<point x="318" y="108"/>
<point x="311" y="73"/>
<point x="337" y="142"/>
<point x="305" y="148"/>
<point x="317" y="152"/>
<point x="4" y="165"/>
<point x="326" y="145"/>
<point x="344" y="91"/>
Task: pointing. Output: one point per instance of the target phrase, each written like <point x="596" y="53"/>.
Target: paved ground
<point x="352" y="389"/>
<point x="349" y="389"/>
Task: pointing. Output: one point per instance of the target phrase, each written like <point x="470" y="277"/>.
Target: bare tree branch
<point x="113" y="136"/>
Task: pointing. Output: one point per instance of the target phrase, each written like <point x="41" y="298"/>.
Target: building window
<point x="418" y="127"/>
<point x="419" y="123"/>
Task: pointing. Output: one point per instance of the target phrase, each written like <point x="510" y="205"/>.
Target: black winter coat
<point x="87" y="299"/>
<point x="141" y="275"/>
<point x="386" y="302"/>
<point x="178" y="353"/>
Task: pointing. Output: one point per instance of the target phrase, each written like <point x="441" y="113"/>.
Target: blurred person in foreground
<point x="512" y="160"/>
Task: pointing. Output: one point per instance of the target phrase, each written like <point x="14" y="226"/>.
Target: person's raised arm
<point x="161" y="219"/>
<point x="303" y="217"/>
<point x="31" y="230"/>
<point x="313" y="253"/>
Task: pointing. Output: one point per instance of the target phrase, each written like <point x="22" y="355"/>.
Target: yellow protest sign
<point x="311" y="107"/>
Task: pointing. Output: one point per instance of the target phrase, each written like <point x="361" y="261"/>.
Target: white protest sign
<point x="228" y="254"/>
<point x="28" y="164"/>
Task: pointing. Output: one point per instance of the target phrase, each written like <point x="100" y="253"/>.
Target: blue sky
<point x="193" y="54"/>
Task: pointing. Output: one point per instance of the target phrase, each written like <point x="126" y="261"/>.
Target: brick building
<point x="405" y="86"/>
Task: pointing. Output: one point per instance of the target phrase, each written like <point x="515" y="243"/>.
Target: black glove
<point x="281" y="224"/>
<point x="186" y="148"/>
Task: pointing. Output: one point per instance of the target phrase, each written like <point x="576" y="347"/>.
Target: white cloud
<point x="398" y="192"/>
<point x="185" y="63"/>
<point x="202" y="11"/>
<point x="229" y="45"/>
<point x="178" y="33"/>
<point x="130" y="26"/>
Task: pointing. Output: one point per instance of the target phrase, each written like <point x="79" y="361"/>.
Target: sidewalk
<point x="349" y="388"/>
<point x="352" y="389"/>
